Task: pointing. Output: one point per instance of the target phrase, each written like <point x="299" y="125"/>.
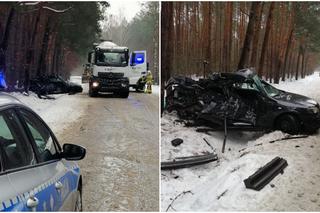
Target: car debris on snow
<point x="265" y="174"/>
<point x="250" y="151"/>
<point x="49" y="85"/>
<point x="184" y="162"/>
<point x="176" y="142"/>
<point x="241" y="100"/>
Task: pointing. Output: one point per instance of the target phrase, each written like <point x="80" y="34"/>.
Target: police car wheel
<point x="78" y="207"/>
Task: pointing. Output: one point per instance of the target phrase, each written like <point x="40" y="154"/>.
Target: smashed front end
<point x="209" y="100"/>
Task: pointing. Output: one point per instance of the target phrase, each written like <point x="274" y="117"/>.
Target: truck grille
<point x="110" y="75"/>
<point x="111" y="81"/>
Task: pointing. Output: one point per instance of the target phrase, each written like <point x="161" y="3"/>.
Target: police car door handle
<point x="32" y="202"/>
<point x="58" y="185"/>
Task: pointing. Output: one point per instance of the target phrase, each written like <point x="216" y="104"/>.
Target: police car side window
<point x="41" y="136"/>
<point x="15" y="150"/>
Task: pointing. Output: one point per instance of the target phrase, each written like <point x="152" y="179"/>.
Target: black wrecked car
<point x="243" y="101"/>
<point x="53" y="85"/>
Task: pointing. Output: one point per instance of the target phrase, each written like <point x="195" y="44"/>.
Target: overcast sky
<point x="128" y="8"/>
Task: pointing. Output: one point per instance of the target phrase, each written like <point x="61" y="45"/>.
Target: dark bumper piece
<point x="185" y="162"/>
<point x="265" y="174"/>
<point x="176" y="142"/>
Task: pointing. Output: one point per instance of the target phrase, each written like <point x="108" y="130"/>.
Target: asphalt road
<point x="121" y="168"/>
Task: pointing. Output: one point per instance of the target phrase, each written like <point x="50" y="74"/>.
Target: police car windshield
<point x="114" y="59"/>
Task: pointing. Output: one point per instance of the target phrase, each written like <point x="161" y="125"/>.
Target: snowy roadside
<point x="218" y="186"/>
<point x="58" y="113"/>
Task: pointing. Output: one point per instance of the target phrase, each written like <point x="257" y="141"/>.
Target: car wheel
<point x="78" y="205"/>
<point x="92" y="93"/>
<point x="288" y="124"/>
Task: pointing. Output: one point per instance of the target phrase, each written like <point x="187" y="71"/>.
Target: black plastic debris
<point x="176" y="142"/>
<point x="184" y="162"/>
<point x="265" y="174"/>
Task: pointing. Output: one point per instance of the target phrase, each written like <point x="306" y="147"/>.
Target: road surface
<point x="121" y="168"/>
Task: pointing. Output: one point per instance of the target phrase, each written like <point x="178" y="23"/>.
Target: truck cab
<point x="114" y="69"/>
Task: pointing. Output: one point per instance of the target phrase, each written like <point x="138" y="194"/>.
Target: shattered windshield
<point x="265" y="87"/>
<point x="270" y="90"/>
<point x="115" y="59"/>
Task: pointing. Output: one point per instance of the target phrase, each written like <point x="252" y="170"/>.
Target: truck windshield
<point x="114" y="59"/>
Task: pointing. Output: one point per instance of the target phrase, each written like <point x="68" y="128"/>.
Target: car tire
<point x="288" y="124"/>
<point x="78" y="204"/>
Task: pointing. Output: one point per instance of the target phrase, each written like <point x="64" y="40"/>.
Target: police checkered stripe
<point x="14" y="201"/>
<point x="7" y="203"/>
<point x="23" y="197"/>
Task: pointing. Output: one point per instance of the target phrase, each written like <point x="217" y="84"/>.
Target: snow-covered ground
<point x="58" y="113"/>
<point x="64" y="109"/>
<point x="218" y="186"/>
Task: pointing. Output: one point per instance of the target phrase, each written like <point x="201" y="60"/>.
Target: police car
<point x="36" y="174"/>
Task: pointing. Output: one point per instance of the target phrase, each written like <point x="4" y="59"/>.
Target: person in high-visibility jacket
<point x="149" y="81"/>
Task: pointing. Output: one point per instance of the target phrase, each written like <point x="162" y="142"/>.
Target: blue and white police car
<point x="36" y="174"/>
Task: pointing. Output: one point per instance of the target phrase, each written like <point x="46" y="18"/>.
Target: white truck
<point x="114" y="69"/>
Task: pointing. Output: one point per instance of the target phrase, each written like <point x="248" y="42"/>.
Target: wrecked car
<point x="53" y="85"/>
<point x="244" y="100"/>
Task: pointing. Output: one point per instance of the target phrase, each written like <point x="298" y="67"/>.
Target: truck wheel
<point x="288" y="124"/>
<point x="92" y="93"/>
<point x="124" y="94"/>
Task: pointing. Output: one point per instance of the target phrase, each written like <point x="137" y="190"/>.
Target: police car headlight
<point x="314" y="110"/>
<point x="95" y="84"/>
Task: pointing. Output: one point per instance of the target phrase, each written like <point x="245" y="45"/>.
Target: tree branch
<point x="182" y="193"/>
<point x="55" y="10"/>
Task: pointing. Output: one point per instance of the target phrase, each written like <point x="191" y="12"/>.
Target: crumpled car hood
<point x="292" y="98"/>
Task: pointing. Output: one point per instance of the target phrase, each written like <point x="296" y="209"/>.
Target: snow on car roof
<point x="6" y="99"/>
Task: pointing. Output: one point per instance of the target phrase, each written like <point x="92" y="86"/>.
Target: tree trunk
<point x="244" y="57"/>
<point x="256" y="36"/>
<point x="266" y="39"/>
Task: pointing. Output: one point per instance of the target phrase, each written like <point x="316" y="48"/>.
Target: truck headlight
<point x="95" y="84"/>
<point x="314" y="110"/>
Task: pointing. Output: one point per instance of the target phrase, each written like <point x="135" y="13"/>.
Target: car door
<point x="18" y="181"/>
<point x="138" y="65"/>
<point x="58" y="174"/>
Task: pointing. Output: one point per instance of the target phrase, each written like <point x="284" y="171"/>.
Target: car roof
<point x="6" y="99"/>
<point x="238" y="75"/>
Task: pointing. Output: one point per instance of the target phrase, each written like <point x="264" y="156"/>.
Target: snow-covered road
<point x="218" y="186"/>
<point x="121" y="168"/>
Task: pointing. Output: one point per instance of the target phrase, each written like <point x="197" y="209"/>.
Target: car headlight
<point x="314" y="110"/>
<point x="124" y="84"/>
<point x="95" y="84"/>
